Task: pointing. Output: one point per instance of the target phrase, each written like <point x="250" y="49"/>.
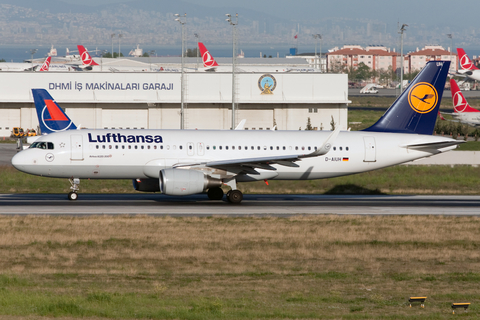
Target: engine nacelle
<point x="182" y="182"/>
<point x="146" y="185"/>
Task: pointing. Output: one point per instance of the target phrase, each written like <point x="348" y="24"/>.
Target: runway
<point x="199" y="205"/>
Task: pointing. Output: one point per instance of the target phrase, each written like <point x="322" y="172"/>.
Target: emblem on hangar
<point x="267" y="83"/>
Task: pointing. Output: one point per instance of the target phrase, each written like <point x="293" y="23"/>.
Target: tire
<point x="72" y="196"/>
<point x="235" y="196"/>
<point x="215" y="193"/>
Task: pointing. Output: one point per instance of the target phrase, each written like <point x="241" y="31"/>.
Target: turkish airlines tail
<point x="86" y="58"/>
<point x="208" y="60"/>
<point x="465" y="61"/>
<point x="460" y="104"/>
<point x="46" y="65"/>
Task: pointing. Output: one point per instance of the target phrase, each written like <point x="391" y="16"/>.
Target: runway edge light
<point x="417" y="299"/>
<point x="463" y="305"/>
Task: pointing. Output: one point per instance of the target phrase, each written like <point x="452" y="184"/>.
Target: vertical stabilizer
<point x="460" y="104"/>
<point x="465" y="61"/>
<point x="50" y="116"/>
<point x="46" y="64"/>
<point x="415" y="111"/>
<point x="208" y="60"/>
<point x="86" y="57"/>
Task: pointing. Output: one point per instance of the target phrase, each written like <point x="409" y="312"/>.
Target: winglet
<point x="51" y="117"/>
<point x="325" y="148"/>
<point x="241" y="125"/>
<point x="415" y="111"/>
<point x="86" y="58"/>
<point x="465" y="61"/>
<point x="208" y="60"/>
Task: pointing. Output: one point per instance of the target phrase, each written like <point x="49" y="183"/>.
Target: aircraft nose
<point x="19" y="161"/>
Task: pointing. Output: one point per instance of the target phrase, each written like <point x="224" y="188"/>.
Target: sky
<point x="430" y="11"/>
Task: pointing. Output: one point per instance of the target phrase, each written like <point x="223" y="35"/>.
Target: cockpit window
<point x="42" y="145"/>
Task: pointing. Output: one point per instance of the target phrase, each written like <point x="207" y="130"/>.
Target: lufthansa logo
<point x="423" y="97"/>
<point x="267" y="84"/>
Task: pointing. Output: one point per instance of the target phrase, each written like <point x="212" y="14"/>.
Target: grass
<point x="314" y="267"/>
<point x="394" y="180"/>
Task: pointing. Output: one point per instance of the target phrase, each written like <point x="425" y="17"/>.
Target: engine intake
<point x="182" y="182"/>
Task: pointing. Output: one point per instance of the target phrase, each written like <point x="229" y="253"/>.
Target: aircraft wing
<point x="250" y="164"/>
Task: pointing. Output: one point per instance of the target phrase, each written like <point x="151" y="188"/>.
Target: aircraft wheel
<point x="72" y="196"/>
<point x="215" y="193"/>
<point x="235" y="196"/>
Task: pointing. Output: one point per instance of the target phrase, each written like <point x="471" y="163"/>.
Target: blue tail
<point x="415" y="111"/>
<point x="50" y="116"/>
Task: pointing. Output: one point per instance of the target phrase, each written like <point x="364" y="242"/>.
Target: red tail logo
<point x="208" y="60"/>
<point x="86" y="58"/>
<point x="46" y="64"/>
<point x="465" y="61"/>
<point x="56" y="114"/>
<point x="460" y="104"/>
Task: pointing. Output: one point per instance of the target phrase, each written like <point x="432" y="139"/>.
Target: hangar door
<point x="118" y="118"/>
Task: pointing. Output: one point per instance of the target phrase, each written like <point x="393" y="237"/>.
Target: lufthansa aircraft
<point x="185" y="162"/>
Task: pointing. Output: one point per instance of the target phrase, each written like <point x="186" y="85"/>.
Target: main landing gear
<point x="234" y="196"/>
<point x="72" y="195"/>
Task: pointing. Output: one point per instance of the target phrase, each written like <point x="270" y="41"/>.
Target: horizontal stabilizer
<point x="434" y="145"/>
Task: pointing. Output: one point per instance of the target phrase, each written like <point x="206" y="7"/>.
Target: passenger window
<point x="208" y="147"/>
<point x="309" y="148"/>
<point x="258" y="147"/>
<point x="296" y="148"/>
<point x="226" y="147"/>
<point x="278" y="148"/>
<point x="214" y="147"/>
<point x="334" y="148"/>
<point x="346" y="148"/>
<point x="129" y="147"/>
<point x="142" y="147"/>
<point x="220" y="147"/>
<point x="284" y="148"/>
<point x="110" y="147"/>
<point x="103" y="146"/>
<point x="116" y="147"/>
<point x="271" y="148"/>
<point x="97" y="146"/>
<point x="136" y="146"/>
<point x="50" y="145"/>
<point x="233" y="147"/>
<point x="123" y="147"/>
<point x="340" y="148"/>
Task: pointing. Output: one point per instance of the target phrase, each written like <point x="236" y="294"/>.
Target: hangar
<point x="152" y="100"/>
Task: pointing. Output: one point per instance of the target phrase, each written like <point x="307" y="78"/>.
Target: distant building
<point x="380" y="58"/>
<point x="419" y="58"/>
<point x="375" y="57"/>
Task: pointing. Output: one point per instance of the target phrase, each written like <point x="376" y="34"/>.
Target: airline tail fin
<point x="465" y="61"/>
<point x="86" y="58"/>
<point x="460" y="104"/>
<point x="208" y="60"/>
<point x="50" y="116"/>
<point x="46" y="64"/>
<point x="415" y="111"/>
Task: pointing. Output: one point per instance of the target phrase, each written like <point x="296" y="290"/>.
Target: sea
<point x="20" y="53"/>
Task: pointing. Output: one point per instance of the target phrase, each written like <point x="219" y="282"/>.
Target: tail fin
<point x="86" y="58"/>
<point x="465" y="61"/>
<point x="415" y="111"/>
<point x="460" y="104"/>
<point x="46" y="65"/>
<point x="50" y="116"/>
<point x="208" y="60"/>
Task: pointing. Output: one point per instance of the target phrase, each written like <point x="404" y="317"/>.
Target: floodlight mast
<point x="234" y="56"/>
<point x="402" y="29"/>
<point x="182" y="86"/>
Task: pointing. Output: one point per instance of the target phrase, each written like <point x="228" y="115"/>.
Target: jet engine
<point x="146" y="185"/>
<point x="182" y="182"/>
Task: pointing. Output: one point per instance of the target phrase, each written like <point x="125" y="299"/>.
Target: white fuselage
<point x="472" y="74"/>
<point x="470" y="118"/>
<point x="135" y="154"/>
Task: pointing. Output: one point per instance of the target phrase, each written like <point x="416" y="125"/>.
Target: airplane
<point x="211" y="65"/>
<point x="25" y="66"/>
<point x="90" y="64"/>
<point x="468" y="67"/>
<point x="186" y="162"/>
<point x="462" y="111"/>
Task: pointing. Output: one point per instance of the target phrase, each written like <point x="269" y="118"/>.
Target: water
<point x="19" y="53"/>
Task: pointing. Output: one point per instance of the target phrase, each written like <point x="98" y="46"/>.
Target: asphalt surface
<point x="199" y="205"/>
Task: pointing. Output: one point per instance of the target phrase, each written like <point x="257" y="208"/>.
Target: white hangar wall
<point x="152" y="100"/>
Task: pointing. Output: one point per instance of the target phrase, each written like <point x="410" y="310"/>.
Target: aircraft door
<point x="76" y="143"/>
<point x="200" y="149"/>
<point x="370" y="152"/>
<point x="190" y="149"/>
